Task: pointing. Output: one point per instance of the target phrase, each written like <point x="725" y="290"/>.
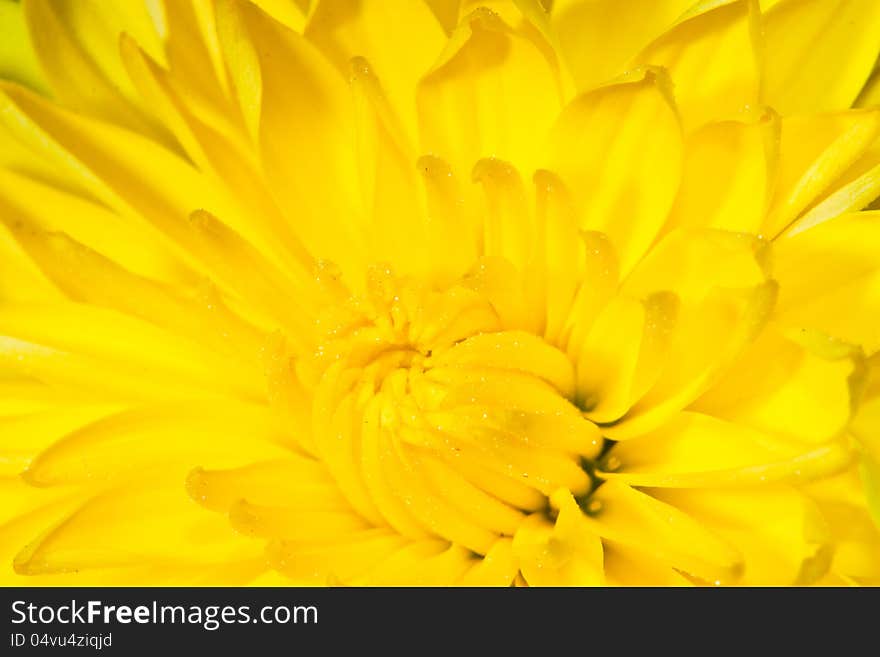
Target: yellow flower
<point x="404" y="292"/>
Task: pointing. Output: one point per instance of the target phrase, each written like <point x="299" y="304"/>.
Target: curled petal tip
<point x="359" y="67"/>
<point x="492" y="168"/>
<point x="432" y="166"/>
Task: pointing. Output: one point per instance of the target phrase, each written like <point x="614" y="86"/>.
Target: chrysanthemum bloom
<point x="404" y="292"/>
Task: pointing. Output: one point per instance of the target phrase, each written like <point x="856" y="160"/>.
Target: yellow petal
<point x="742" y="157"/>
<point x="130" y="172"/>
<point x="512" y="350"/>
<point x="709" y="335"/>
<point x="89" y="222"/>
<point x="818" y="53"/>
<point x="693" y="262"/>
<point x="210" y="435"/>
<point x="608" y="359"/>
<point x="641" y="522"/>
<point x="148" y="362"/>
<point x="422" y="563"/>
<point x="517" y="400"/>
<point x="598" y="285"/>
<point x="501" y="284"/>
<point x="26" y="434"/>
<point x="29" y="149"/>
<point x="292" y="13"/>
<point x="446" y="11"/>
<point x="498" y="568"/>
<point x="715" y="319"/>
<point x="567" y="553"/>
<point x="398" y="235"/>
<point x="842" y="501"/>
<point x="870" y="94"/>
<point x="492" y="93"/>
<point x="241" y="267"/>
<point x="144" y="522"/>
<point x="814" y="152"/>
<point x="867" y="416"/>
<point x="216" y="146"/>
<point x="559" y="253"/>
<point x="509" y="227"/>
<point x="20" y="278"/>
<point x="779" y="531"/>
<point x="320" y="563"/>
<point x="869" y="469"/>
<point x="451" y="228"/>
<point x="449" y="566"/>
<point x="18" y="61"/>
<point x="240" y="56"/>
<point x="379" y="32"/>
<point x="407" y="479"/>
<point x="27" y="512"/>
<point x="712" y="57"/>
<point x="782" y="387"/>
<point x="614" y="35"/>
<point x="88" y="277"/>
<point x="696" y="450"/>
<point x="619" y="151"/>
<point x="307" y="108"/>
<point x="858" y="187"/>
<point x="468" y="499"/>
<point x="346" y="436"/>
<point x="23" y="395"/>
<point x="626" y="566"/>
<point x="193" y="48"/>
<point x="291" y="480"/>
<point x="830" y="278"/>
<point x="292" y="523"/>
<point x="78" y="53"/>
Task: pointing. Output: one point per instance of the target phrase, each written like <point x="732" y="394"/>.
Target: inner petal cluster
<point x="435" y="420"/>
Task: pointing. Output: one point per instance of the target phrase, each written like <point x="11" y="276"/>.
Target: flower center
<point x="437" y="420"/>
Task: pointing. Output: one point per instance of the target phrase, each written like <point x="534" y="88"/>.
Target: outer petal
<point x="20" y="279"/>
<point x="498" y="568"/>
<point x="18" y="61"/>
<point x="89" y="358"/>
<point x="567" y="553"/>
<point x="789" y="389"/>
<point x="77" y="50"/>
<point x="160" y="435"/>
<point x="307" y="138"/>
<point x="380" y="32"/>
<point x="640" y="522"/>
<point x="870" y="95"/>
<point x="493" y="93"/>
<point x="599" y="37"/>
<point x="814" y="152"/>
<point x="779" y="531"/>
<point x="830" y="279"/>
<point x="91" y="223"/>
<point x="819" y="53"/>
<point x="127" y="171"/>
<point x="145" y="522"/>
<point x="856" y="189"/>
<point x="720" y="279"/>
<point x="25" y="434"/>
<point x="856" y="537"/>
<point x="712" y="56"/>
<point x="625" y="566"/>
<point x="398" y="231"/>
<point x="866" y="423"/>
<point x="742" y="158"/>
<point x="619" y="151"/>
<point x="696" y="450"/>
